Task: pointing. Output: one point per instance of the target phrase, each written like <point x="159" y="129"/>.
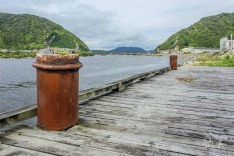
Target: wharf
<point x="189" y="111"/>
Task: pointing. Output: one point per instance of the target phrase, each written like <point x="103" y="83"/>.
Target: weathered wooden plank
<point x="177" y="98"/>
<point x="15" y="116"/>
<point x="172" y="102"/>
<point x="174" y="95"/>
<point x="144" y="145"/>
<point x="154" y="127"/>
<point x="159" y="132"/>
<point x="6" y="150"/>
<point x="191" y="140"/>
<point x="216" y="137"/>
<point x="158" y="121"/>
<point x="52" y="147"/>
<point x="157" y="142"/>
<point x="164" y="116"/>
<point x="156" y="110"/>
<point x="155" y="105"/>
<point x="162" y="119"/>
<point x="210" y="121"/>
<point x="96" y="141"/>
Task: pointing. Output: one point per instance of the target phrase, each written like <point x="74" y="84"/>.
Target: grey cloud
<point x="106" y="24"/>
<point x="47" y="2"/>
<point x="83" y="20"/>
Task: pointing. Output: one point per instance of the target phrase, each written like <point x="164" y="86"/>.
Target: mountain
<point x="150" y="51"/>
<point x="128" y="49"/>
<point x="25" y="31"/>
<point x="205" y="33"/>
<point x="98" y="51"/>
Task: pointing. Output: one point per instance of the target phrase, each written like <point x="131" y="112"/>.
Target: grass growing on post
<point x="63" y="53"/>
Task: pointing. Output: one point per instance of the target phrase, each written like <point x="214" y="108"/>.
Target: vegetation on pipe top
<point x="63" y="52"/>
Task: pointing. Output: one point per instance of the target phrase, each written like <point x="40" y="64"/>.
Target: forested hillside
<point x="32" y="32"/>
<point x="205" y="33"/>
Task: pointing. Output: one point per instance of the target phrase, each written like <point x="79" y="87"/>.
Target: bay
<point x="18" y="77"/>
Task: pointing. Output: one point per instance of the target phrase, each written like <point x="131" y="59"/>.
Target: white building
<point x="226" y="44"/>
<point x="197" y="50"/>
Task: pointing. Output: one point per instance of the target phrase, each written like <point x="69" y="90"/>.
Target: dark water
<point x="18" y="77"/>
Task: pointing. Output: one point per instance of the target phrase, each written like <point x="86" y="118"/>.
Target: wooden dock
<point x="189" y="111"/>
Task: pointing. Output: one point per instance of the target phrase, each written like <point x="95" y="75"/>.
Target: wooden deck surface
<point x="185" y="112"/>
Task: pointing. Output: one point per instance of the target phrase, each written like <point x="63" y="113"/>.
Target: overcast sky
<point x="107" y="24"/>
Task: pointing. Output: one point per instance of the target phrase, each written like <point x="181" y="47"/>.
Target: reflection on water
<point x="18" y="77"/>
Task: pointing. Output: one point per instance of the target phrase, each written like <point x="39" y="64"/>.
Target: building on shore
<point x="197" y="50"/>
<point x="226" y="44"/>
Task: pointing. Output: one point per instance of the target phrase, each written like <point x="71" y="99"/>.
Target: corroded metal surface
<point x="57" y="67"/>
<point x="173" y="62"/>
<point x="57" y="90"/>
<point x="58" y="59"/>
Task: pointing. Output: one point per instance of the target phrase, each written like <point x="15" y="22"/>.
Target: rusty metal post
<point x="57" y="90"/>
<point x="173" y="62"/>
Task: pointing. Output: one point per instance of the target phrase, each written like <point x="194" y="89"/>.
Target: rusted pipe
<point x="173" y="62"/>
<point x="57" y="91"/>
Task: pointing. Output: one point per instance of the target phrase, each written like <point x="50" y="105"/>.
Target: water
<point x="18" y="77"/>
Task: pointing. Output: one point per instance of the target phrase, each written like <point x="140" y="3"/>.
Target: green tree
<point x="30" y="32"/>
<point x="205" y="33"/>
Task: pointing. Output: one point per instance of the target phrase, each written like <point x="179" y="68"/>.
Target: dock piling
<point x="57" y="90"/>
<point x="173" y="62"/>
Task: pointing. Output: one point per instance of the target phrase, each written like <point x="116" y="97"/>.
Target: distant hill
<point x="25" y="31"/>
<point x="98" y="51"/>
<point x="205" y="33"/>
<point x="150" y="51"/>
<point x="128" y="49"/>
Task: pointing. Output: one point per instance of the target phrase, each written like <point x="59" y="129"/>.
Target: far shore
<point x="222" y="59"/>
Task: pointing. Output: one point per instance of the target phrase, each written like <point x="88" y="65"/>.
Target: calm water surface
<point x="18" y="77"/>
